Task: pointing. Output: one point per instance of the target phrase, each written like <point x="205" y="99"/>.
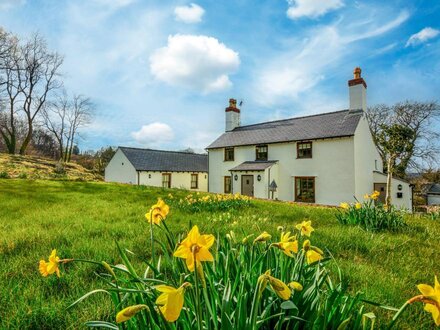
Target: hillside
<point x="30" y="167"/>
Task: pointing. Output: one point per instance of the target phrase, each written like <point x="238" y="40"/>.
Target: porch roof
<point x="253" y="166"/>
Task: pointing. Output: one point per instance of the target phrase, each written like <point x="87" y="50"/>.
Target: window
<point x="261" y="152"/>
<point x="229" y="154"/>
<point x="304" y="150"/>
<point x="194" y="181"/>
<point x="228" y="187"/>
<point x="305" y="189"/>
<point x="166" y="180"/>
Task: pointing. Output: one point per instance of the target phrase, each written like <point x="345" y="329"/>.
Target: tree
<point x="421" y="118"/>
<point x="396" y="140"/>
<point x="38" y="77"/>
<point x="103" y="157"/>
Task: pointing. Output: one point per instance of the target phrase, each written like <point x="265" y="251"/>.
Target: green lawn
<point x="83" y="220"/>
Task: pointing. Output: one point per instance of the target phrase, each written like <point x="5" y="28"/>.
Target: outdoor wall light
<point x="259" y="177"/>
<point x="399" y="187"/>
<point x="235" y="177"/>
<point x="149" y="176"/>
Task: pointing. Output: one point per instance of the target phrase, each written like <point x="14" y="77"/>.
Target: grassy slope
<point x="84" y="219"/>
<point x="40" y="168"/>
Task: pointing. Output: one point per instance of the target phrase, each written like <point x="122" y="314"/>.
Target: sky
<point x="161" y="72"/>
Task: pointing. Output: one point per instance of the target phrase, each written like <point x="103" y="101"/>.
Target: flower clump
<point x="196" y="202"/>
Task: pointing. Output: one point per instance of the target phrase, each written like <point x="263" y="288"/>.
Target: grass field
<point x="83" y="220"/>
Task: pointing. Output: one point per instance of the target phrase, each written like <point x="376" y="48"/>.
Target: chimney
<point x="232" y="115"/>
<point x="358" y="91"/>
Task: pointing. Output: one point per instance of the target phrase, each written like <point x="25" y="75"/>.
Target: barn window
<point x="166" y="180"/>
<point x="227" y="184"/>
<point x="261" y="152"/>
<point x="229" y="154"/>
<point x="194" y="181"/>
<point x="304" y="150"/>
<point x="305" y="189"/>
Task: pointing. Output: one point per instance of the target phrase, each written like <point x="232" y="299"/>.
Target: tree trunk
<point x="389" y="177"/>
<point x="27" y="139"/>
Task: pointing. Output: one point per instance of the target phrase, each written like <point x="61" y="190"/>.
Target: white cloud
<point x="7" y="4"/>
<point x="422" y="36"/>
<point x="153" y="134"/>
<point x="198" y="62"/>
<point x="311" y="8"/>
<point x="189" y="14"/>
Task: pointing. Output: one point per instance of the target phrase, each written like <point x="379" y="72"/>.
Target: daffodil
<point x="295" y="286"/>
<point x="278" y="286"/>
<point x="264" y="236"/>
<point x="375" y="195"/>
<point x="313" y="253"/>
<point x="358" y="206"/>
<point x="344" y="205"/>
<point x="129" y="312"/>
<point x="171" y="300"/>
<point x="158" y="212"/>
<point x="50" y="267"/>
<point x="305" y="227"/>
<point x="366" y="196"/>
<point x="287" y="244"/>
<point x="432" y="299"/>
<point x="195" y="246"/>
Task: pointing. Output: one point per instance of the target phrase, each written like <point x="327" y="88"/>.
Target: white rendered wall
<point x="180" y="180"/>
<point x="402" y="203"/>
<point x="119" y="169"/>
<point x="232" y="120"/>
<point x="358" y="97"/>
<point x="332" y="166"/>
<point x="366" y="157"/>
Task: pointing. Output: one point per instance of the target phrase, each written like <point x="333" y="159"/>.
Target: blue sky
<point x="161" y="72"/>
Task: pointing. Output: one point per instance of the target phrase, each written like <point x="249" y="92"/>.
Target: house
<point x="159" y="168"/>
<point x="431" y="192"/>
<point x="327" y="158"/>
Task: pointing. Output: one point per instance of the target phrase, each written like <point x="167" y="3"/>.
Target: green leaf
<point x="288" y="305"/>
<point x="101" y="324"/>
<point x="86" y="295"/>
<point x="344" y="324"/>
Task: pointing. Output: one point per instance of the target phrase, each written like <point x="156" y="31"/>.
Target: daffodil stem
<point x="398" y="313"/>
<point x="208" y="303"/>
<point x="254" y="308"/>
<point x="196" y="284"/>
<point x="153" y="257"/>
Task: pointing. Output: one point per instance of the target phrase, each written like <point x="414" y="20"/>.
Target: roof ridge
<point x="301" y="117"/>
<point x="169" y="151"/>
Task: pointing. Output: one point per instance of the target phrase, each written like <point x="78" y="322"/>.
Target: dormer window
<point x="261" y="152"/>
<point x="304" y="149"/>
<point x="229" y="154"/>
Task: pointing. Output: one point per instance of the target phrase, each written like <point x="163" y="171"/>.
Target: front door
<point x="381" y="187"/>
<point x="247" y="185"/>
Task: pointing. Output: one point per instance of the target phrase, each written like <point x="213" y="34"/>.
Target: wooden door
<point x="247" y="185"/>
<point x="382" y="188"/>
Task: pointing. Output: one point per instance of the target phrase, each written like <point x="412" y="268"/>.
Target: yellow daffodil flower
<point x="171" y="300"/>
<point x="246" y="239"/>
<point x="158" y="212"/>
<point x="48" y="268"/>
<point x="129" y="312"/>
<point x="305" y="227"/>
<point x="295" y="286"/>
<point x="358" y="206"/>
<point x="264" y="236"/>
<point x="195" y="245"/>
<point x="280" y="288"/>
<point x="287" y="244"/>
<point x="313" y="253"/>
<point x="432" y="299"/>
<point x="375" y="195"/>
<point x="366" y="196"/>
<point x="345" y="206"/>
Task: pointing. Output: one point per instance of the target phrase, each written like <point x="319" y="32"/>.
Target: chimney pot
<point x="232" y="103"/>
<point x="357" y="72"/>
<point x="232" y="114"/>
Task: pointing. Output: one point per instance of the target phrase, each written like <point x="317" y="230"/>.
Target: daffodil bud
<point x="129" y="312"/>
<point x="108" y="268"/>
<point x="295" y="286"/>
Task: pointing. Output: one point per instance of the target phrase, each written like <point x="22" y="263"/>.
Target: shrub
<point x="4" y="175"/>
<point x="23" y="175"/>
<point x="371" y="215"/>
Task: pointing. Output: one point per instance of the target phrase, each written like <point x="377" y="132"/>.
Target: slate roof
<point x="327" y="125"/>
<point x="253" y="166"/>
<point x="431" y="188"/>
<point x="169" y="161"/>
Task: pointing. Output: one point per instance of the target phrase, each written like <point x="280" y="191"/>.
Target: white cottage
<point x="326" y="159"/>
<point x="159" y="168"/>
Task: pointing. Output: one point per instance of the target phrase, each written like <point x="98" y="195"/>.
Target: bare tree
<point x="64" y="117"/>
<point x="39" y="73"/>
<point x="421" y="118"/>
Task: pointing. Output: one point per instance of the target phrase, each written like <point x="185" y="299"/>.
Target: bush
<point x="4" y="175"/>
<point x="23" y="175"/>
<point x="371" y="215"/>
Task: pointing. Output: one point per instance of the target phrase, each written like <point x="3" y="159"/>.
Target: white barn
<point x="159" y="168"/>
<point x="326" y="159"/>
